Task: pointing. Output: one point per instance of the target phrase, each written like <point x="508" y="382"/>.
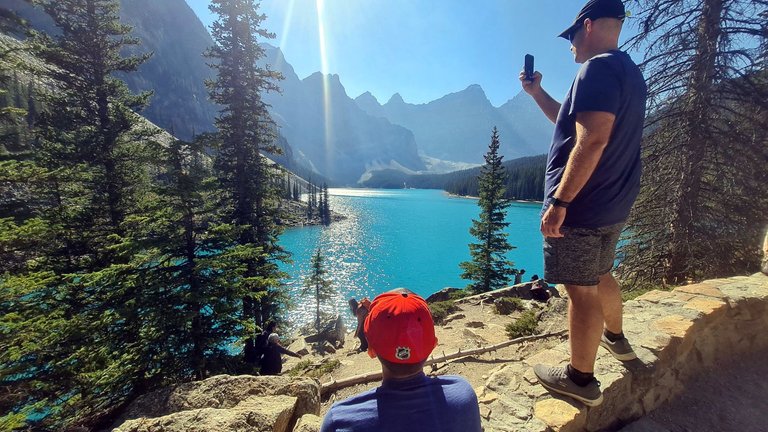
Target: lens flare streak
<point x="320" y="5"/>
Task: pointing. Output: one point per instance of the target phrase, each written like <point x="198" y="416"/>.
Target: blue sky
<point x="423" y="49"/>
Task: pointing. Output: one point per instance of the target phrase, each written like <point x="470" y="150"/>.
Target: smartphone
<point x="528" y="67"/>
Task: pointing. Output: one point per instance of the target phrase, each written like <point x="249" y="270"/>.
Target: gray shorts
<point x="581" y="255"/>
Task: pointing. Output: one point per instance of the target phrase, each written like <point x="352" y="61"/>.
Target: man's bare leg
<point x="585" y="321"/>
<point x="610" y="300"/>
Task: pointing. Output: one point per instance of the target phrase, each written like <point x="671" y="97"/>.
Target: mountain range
<point x="458" y="126"/>
<point x="321" y="127"/>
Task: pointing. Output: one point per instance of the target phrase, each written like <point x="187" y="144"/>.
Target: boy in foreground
<point x="401" y="334"/>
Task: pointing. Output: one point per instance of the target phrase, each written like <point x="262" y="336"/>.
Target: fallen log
<point x="334" y="385"/>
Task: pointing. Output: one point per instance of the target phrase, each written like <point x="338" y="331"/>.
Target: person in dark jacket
<point x="272" y="362"/>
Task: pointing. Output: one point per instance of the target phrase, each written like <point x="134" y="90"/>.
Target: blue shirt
<point x="420" y="404"/>
<point x="609" y="82"/>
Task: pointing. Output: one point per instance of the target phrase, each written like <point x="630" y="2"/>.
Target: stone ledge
<point x="226" y="403"/>
<point x="676" y="335"/>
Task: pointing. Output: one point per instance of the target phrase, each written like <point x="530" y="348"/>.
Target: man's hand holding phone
<point x="532" y="87"/>
<point x="530" y="79"/>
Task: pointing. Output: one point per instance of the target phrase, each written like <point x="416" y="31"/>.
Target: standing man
<point x="592" y="180"/>
<point x="401" y="334"/>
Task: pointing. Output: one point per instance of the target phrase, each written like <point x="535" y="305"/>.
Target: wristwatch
<point x="559" y="203"/>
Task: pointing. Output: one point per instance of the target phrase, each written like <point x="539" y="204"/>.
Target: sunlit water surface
<point x="408" y="238"/>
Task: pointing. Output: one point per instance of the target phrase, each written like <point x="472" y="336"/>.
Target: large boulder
<point x="522" y="291"/>
<point x="213" y="396"/>
<point x="299" y="346"/>
<point x="442" y="295"/>
<point x="308" y="423"/>
<point x="333" y="331"/>
<point x="255" y="414"/>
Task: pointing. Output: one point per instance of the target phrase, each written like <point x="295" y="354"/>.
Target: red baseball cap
<point x="399" y="328"/>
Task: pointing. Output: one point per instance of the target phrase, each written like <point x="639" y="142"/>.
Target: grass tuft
<point x="525" y="325"/>
<point x="440" y="310"/>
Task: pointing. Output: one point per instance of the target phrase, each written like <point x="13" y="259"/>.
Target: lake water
<point x="408" y="238"/>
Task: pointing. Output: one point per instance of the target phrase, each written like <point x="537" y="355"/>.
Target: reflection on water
<point x="397" y="238"/>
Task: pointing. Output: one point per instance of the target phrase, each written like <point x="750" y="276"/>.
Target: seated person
<point x="540" y="290"/>
<point x="401" y="334"/>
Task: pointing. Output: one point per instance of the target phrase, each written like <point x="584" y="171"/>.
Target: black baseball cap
<point x="593" y="10"/>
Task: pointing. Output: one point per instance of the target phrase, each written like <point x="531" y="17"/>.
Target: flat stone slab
<point x="675" y="334"/>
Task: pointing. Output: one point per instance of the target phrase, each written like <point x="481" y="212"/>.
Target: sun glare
<point x="320" y="4"/>
<point x="287" y="20"/>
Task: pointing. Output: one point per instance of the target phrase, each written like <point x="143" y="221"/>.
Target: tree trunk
<point x="700" y="143"/>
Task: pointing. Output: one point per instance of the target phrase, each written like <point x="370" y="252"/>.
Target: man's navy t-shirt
<point x="609" y="82"/>
<point x="420" y="404"/>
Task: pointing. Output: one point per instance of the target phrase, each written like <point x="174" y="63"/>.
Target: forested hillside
<point x="129" y="259"/>
<point x="176" y="71"/>
<point x="525" y="179"/>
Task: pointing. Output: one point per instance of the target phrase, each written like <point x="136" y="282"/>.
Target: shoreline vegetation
<point x="453" y="195"/>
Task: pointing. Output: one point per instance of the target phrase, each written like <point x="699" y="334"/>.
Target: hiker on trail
<point x="401" y="334"/>
<point x="592" y="180"/>
<point x="360" y="311"/>
<point x="272" y="361"/>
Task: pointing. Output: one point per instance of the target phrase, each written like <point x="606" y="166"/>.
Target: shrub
<point x="313" y="370"/>
<point x="459" y="294"/>
<point x="525" y="325"/>
<point x="507" y="305"/>
<point x="440" y="310"/>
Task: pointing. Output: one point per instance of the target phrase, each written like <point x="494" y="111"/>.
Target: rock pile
<point x="227" y="403"/>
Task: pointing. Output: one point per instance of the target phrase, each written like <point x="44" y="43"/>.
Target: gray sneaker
<point x="621" y="349"/>
<point x="556" y="380"/>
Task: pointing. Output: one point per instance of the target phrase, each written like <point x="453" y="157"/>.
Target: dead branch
<point x="334" y="385"/>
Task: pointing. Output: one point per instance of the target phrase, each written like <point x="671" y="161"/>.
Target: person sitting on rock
<point x="401" y="334"/>
<point x="272" y="362"/>
<point x="540" y="290"/>
<point x="360" y="311"/>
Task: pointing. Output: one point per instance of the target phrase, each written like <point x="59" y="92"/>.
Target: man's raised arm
<point x="547" y="103"/>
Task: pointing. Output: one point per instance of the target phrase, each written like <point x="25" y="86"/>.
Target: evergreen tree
<point x="325" y="209"/>
<point x="318" y="286"/>
<point x="245" y="133"/>
<point x="287" y="190"/>
<point x="185" y="255"/>
<point x="311" y="200"/>
<point x="314" y="200"/>
<point x="702" y="206"/>
<point x="296" y="192"/>
<point x="10" y="115"/>
<point x="32" y="109"/>
<point x="72" y="304"/>
<point x="489" y="268"/>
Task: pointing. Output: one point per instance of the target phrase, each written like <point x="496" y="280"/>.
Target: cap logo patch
<point x="403" y="353"/>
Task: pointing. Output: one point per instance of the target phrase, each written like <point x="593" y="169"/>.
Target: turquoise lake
<point x="393" y="238"/>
